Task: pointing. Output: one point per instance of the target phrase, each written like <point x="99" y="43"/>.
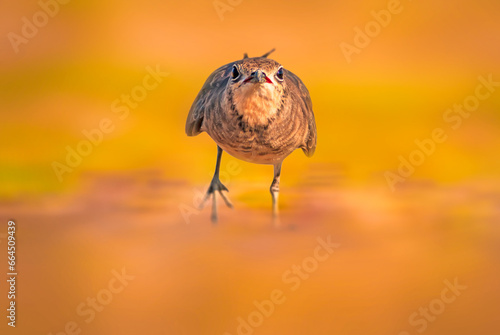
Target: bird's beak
<point x="258" y="77"/>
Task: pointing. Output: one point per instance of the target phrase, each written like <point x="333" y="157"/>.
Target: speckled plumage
<point x="256" y="117"/>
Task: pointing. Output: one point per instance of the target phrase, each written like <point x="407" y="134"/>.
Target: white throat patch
<point x="257" y="102"/>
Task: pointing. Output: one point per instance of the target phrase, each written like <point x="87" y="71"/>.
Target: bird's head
<point x="256" y="87"/>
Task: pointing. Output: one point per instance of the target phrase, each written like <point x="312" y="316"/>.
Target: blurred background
<point x="129" y="201"/>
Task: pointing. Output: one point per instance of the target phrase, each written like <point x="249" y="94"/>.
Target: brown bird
<point x="256" y="111"/>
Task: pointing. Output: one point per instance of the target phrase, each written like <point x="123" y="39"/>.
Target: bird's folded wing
<point x="208" y="99"/>
<point x="302" y="101"/>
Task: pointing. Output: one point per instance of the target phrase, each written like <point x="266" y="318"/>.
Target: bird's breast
<point x="255" y="103"/>
<point x="267" y="144"/>
<point x="256" y="126"/>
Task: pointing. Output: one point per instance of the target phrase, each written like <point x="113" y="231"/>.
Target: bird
<point x="257" y="111"/>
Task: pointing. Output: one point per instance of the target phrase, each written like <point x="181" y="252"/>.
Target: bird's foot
<point x="215" y="186"/>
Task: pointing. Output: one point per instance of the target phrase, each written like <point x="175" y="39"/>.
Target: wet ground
<point x="343" y="260"/>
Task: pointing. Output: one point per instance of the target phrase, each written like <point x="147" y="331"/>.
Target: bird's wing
<point x="208" y="98"/>
<point x="302" y="101"/>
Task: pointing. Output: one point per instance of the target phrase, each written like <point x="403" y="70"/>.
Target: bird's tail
<point x="268" y="53"/>
<point x="245" y="55"/>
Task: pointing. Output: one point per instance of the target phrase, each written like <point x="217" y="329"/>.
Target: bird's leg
<point x="275" y="188"/>
<point x="216" y="186"/>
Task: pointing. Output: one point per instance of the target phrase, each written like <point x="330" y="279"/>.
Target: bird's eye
<point x="235" y="73"/>
<point x="280" y="74"/>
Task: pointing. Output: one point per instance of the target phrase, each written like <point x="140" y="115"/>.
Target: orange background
<point x="121" y="207"/>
